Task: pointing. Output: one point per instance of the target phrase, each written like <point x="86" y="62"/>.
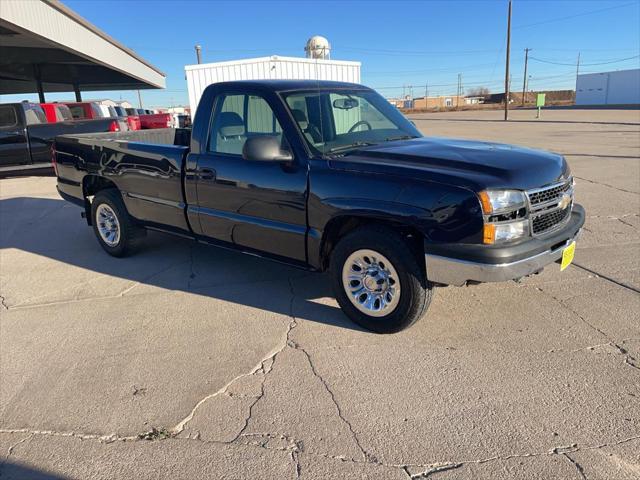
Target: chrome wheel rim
<point x="371" y="283"/>
<point x="108" y="225"/>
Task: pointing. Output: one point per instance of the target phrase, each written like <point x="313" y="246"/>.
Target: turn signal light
<point x="489" y="233"/>
<point x="113" y="127"/>
<point x="485" y="201"/>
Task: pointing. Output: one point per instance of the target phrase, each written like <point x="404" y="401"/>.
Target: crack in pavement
<point x="291" y="343"/>
<point x="628" y="359"/>
<point x="10" y="451"/>
<point x="429" y="468"/>
<point x="260" y="367"/>
<point x="432" y="469"/>
<point x="108" y="438"/>
<point x="577" y="465"/>
<point x="3" y="302"/>
<point x="626" y="223"/>
<point x="606" y="185"/>
<point x="605" y="277"/>
<point x="590" y="347"/>
<point x="296" y="463"/>
<point x="612" y="217"/>
<point x="366" y="455"/>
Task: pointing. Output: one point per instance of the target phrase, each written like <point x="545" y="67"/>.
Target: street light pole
<point x="506" y="71"/>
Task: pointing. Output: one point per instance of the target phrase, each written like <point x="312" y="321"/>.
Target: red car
<point x="56" y="112"/>
<point x="132" y="119"/>
<point x="84" y="110"/>
<point x="151" y="120"/>
<point x="156" y="120"/>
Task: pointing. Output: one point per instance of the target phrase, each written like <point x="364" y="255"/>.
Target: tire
<point x="405" y="282"/>
<point x="114" y="228"/>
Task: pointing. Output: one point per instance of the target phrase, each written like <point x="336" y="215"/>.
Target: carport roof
<point x="47" y="39"/>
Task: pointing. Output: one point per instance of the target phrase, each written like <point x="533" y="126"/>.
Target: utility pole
<point x="139" y="99"/>
<point x="199" y="53"/>
<point x="426" y="96"/>
<point x="577" y="71"/>
<point x="524" y="81"/>
<point x="506" y="71"/>
<point x="459" y="86"/>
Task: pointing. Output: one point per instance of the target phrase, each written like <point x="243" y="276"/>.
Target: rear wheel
<point x="114" y="228"/>
<point x="377" y="280"/>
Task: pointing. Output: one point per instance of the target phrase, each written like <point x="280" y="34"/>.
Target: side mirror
<point x="265" y="148"/>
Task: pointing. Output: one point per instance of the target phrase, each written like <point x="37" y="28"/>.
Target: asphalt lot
<point x="186" y="361"/>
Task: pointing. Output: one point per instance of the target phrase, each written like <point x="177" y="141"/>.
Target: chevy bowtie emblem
<point x="565" y="201"/>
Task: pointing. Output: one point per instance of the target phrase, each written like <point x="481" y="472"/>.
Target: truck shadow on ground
<point x="53" y="229"/>
<point x="15" y="471"/>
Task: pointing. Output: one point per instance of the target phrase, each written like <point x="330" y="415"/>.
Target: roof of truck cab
<point x="289" y="85"/>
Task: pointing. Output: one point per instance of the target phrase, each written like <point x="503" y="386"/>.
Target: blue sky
<point x="400" y="44"/>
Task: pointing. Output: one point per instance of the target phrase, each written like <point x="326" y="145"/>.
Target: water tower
<point x="318" y="47"/>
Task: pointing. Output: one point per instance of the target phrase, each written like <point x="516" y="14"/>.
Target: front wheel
<point x="377" y="280"/>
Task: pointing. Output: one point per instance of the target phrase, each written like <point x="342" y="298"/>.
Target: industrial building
<point x="47" y="47"/>
<point x="316" y="66"/>
<point x="620" y="87"/>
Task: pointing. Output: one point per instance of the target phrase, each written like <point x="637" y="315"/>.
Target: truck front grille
<point x="547" y="221"/>
<point x="542" y="196"/>
<point x="550" y="207"/>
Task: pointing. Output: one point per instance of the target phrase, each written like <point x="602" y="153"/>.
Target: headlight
<point x="505" y="215"/>
<point x="493" y="201"/>
<point x="504" y="232"/>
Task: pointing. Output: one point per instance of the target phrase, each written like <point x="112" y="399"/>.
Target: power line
<point x="431" y="70"/>
<point x="585" y="64"/>
<point x="559" y="19"/>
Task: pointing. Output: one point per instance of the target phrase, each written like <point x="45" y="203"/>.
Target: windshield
<point x="335" y="121"/>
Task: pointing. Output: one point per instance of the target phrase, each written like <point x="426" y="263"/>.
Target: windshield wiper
<point x="342" y="148"/>
<point x="399" y="137"/>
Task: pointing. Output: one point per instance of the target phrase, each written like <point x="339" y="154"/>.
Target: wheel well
<point x="92" y="184"/>
<point x="339" y="227"/>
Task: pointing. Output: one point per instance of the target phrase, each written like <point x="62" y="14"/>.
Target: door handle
<point x="206" y="174"/>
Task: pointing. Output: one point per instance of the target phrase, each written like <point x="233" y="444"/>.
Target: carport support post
<point x="36" y="70"/>
<point x="76" y="90"/>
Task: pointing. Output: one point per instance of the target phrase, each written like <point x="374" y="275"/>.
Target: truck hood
<point x="472" y="164"/>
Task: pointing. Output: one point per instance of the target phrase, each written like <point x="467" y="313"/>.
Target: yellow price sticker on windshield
<point x="567" y="256"/>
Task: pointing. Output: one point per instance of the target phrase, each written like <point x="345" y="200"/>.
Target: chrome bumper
<point x="451" y="271"/>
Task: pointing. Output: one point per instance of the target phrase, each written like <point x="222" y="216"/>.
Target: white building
<point x="621" y="87"/>
<point x="200" y="76"/>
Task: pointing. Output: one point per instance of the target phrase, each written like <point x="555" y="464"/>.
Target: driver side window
<point x="239" y="117"/>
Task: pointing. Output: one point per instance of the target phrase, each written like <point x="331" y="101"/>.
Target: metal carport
<point x="47" y="47"/>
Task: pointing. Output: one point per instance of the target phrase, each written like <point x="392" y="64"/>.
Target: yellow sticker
<point x="567" y="255"/>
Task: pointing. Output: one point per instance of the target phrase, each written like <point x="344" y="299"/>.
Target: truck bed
<point x="147" y="166"/>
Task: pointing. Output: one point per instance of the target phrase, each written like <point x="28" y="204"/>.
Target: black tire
<point x="130" y="234"/>
<point x="415" y="290"/>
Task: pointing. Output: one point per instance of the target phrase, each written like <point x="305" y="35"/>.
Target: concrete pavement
<point x="186" y="361"/>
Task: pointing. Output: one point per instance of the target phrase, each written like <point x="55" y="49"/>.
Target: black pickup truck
<point x="26" y="137"/>
<point x="330" y="176"/>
